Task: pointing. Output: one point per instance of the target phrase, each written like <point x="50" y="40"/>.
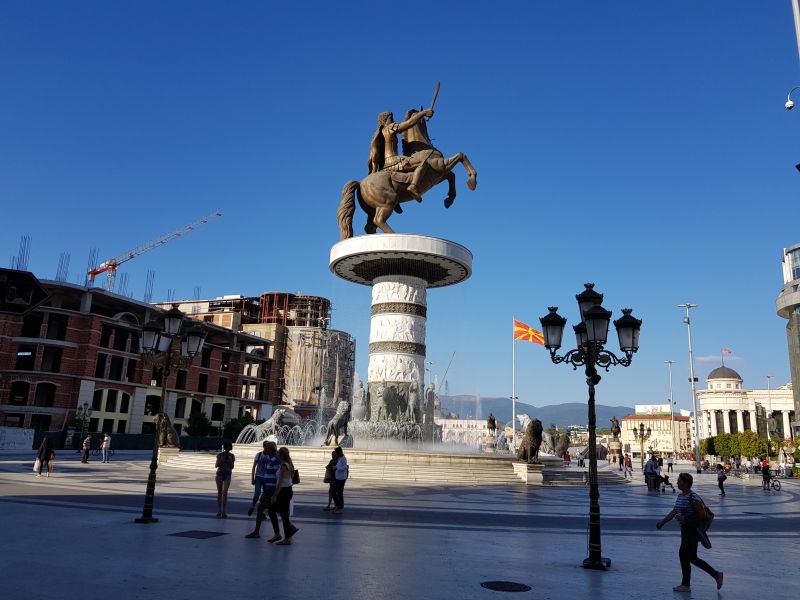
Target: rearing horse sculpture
<point x="382" y="192"/>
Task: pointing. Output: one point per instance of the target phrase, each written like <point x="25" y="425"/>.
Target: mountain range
<point x="571" y="413"/>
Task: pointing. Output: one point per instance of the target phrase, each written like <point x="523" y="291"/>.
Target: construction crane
<point x="112" y="264"/>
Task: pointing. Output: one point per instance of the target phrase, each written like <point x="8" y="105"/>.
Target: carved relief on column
<point x="399" y="289"/>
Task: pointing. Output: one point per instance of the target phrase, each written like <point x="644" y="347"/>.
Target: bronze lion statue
<point x="529" y="448"/>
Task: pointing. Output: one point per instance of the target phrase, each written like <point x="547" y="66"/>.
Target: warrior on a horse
<point x="395" y="178"/>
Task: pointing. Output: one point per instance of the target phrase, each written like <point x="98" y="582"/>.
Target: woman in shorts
<point x="224" y="465"/>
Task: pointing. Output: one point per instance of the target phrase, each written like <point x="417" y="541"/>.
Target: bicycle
<point x="98" y="452"/>
<point x="772" y="482"/>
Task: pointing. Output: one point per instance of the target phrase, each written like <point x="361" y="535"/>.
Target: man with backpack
<point x="695" y="518"/>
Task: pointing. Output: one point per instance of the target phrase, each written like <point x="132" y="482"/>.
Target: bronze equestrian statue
<point x="395" y="178"/>
<point x="529" y="448"/>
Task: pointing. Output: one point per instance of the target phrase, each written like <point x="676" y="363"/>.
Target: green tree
<point x="722" y="445"/>
<point x="198" y="424"/>
<point x="234" y="427"/>
<point x="750" y="444"/>
<point x="707" y="446"/>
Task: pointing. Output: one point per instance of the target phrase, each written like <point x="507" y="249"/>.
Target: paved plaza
<point x="73" y="535"/>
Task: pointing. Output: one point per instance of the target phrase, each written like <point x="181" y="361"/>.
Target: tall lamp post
<point x="591" y="335"/>
<point x="165" y="348"/>
<point x="769" y="409"/>
<point x="693" y="380"/>
<point x="641" y="435"/>
<point x="669" y="364"/>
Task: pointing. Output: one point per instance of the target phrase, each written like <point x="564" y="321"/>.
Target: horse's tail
<point x="346" y="209"/>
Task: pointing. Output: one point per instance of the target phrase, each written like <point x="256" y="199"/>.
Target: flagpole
<point x="513" y="389"/>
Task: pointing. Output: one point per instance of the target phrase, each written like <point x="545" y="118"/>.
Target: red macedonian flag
<point x="527" y="334"/>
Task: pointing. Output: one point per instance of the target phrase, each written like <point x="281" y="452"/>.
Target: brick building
<point x="82" y="346"/>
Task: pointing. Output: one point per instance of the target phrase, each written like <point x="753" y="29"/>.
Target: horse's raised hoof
<point x="448" y="202"/>
<point x="398" y="209"/>
<point x="472" y="182"/>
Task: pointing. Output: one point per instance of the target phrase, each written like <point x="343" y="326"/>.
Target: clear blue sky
<point x="641" y="146"/>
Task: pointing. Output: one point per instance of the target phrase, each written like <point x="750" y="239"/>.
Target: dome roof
<point x="724" y="373"/>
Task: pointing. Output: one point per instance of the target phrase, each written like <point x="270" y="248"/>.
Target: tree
<point x="234" y="427"/>
<point x="198" y="424"/>
<point x="707" y="446"/>
<point x="750" y="444"/>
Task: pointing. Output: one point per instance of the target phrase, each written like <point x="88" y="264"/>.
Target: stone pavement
<point x="73" y="535"/>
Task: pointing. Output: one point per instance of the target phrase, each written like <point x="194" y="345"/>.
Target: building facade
<point x="670" y="435"/>
<point x="310" y="364"/>
<point x="81" y="347"/>
<point x="725" y="406"/>
<point x="788" y="307"/>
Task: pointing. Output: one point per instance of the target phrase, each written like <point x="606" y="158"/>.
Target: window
<point x="205" y="357"/>
<point x="93" y="422"/>
<point x="134" y="342"/>
<point x="222" y="388"/>
<point x="20" y="390"/>
<point x="180" y="380"/>
<point x="180" y="408"/>
<point x="130" y="374"/>
<point x="728" y="385"/>
<point x="115" y="370"/>
<point x="123" y="403"/>
<point x="217" y="412"/>
<point x="45" y="394"/>
<point x="120" y="339"/>
<point x="97" y="400"/>
<point x="121" y="425"/>
<point x="202" y="383"/>
<point x="51" y="360"/>
<point x="32" y="325"/>
<point x="100" y="367"/>
<point x="26" y="357"/>
<point x="111" y="401"/>
<point x="105" y="336"/>
<point x="151" y="405"/>
<point x="156" y="377"/>
<point x="57" y="327"/>
<point x="108" y="425"/>
<point x="197" y="406"/>
<point x="226" y="362"/>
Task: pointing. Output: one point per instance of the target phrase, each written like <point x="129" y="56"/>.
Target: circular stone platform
<point x="364" y="258"/>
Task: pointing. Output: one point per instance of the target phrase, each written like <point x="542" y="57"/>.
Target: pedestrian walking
<point x="281" y="499"/>
<point x="265" y="479"/>
<point x="687" y="507"/>
<point x="341" y="473"/>
<point x="263" y="475"/>
<point x="628" y="470"/>
<point x="224" y="466"/>
<point x="721" y="477"/>
<point x="87" y="446"/>
<point x="330" y="479"/>
<point x="105" y="447"/>
<point x="669" y="464"/>
<point x="43" y="456"/>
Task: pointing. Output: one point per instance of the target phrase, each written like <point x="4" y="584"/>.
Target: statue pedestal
<point x="614" y="449"/>
<point x="400" y="268"/>
<point x="166" y="454"/>
<point x="528" y="473"/>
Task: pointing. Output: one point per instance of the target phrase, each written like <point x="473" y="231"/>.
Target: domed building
<point x="725" y="406"/>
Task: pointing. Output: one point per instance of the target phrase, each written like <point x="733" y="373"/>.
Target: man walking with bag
<point x="691" y="514"/>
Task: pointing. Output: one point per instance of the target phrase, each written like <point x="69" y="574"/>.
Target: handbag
<point x="704" y="515"/>
<point x="703" y="537"/>
<point x="37" y="466"/>
<point x="295" y="477"/>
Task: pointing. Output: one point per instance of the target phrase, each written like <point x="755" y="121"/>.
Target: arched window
<point x="197" y="407"/>
<point x="152" y="405"/>
<point x="217" y="412"/>
<point x="180" y="408"/>
<point x="20" y="390"/>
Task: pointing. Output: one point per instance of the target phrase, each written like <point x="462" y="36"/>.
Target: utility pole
<point x="693" y="381"/>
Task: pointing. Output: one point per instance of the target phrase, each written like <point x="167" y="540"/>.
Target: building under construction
<point x="311" y="364"/>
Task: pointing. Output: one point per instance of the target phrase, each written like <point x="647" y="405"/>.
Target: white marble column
<point x="739" y="421"/>
<point x="726" y="420"/>
<point x="713" y="415"/>
<point x="753" y="421"/>
<point x="787" y="426"/>
<point x="397" y="348"/>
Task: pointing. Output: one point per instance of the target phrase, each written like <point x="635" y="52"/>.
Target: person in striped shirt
<point x="686" y="514"/>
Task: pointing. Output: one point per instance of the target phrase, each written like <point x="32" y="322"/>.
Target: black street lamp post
<point x="166" y="348"/>
<point x="591" y="335"/>
<point x="642" y="435"/>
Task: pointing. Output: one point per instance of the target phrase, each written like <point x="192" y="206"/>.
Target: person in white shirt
<point x="342" y="471"/>
<point x="106" y="447"/>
